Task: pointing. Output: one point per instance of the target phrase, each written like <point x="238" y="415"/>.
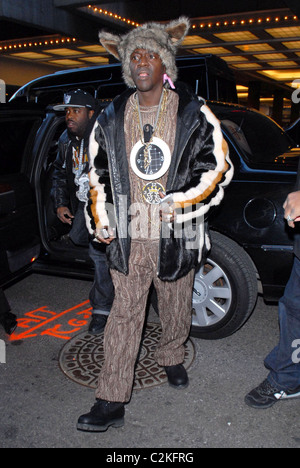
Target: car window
<point x="261" y="140"/>
<point x="15" y="136"/>
<point x="110" y="91"/>
<point x="208" y="81"/>
<point x="238" y="135"/>
<point x="56" y="95"/>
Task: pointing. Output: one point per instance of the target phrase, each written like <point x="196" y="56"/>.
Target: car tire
<point x="225" y="290"/>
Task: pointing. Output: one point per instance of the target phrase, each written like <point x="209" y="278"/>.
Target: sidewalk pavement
<point x="40" y="405"/>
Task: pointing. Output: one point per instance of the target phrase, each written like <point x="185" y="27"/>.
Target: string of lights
<point x="45" y="41"/>
<point x="207" y="24"/>
<point x="245" y="22"/>
<point x="204" y="24"/>
<point x="114" y="16"/>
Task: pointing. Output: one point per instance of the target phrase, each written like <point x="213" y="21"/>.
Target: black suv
<point x="252" y="248"/>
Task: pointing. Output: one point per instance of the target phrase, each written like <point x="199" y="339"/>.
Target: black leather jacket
<point x="63" y="191"/>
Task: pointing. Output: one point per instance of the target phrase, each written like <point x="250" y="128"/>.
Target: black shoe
<point x="266" y="395"/>
<point x="9" y="323"/>
<point x="102" y="415"/>
<point x="97" y="324"/>
<point x="177" y="376"/>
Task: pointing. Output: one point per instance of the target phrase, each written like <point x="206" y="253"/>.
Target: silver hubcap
<point x="212" y="295"/>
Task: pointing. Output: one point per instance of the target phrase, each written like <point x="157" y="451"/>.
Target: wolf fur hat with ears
<point x="162" y="39"/>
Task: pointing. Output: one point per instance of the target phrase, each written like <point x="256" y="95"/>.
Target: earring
<point x="166" y="78"/>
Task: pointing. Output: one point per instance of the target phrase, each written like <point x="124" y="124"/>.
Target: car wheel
<point x="225" y="290"/>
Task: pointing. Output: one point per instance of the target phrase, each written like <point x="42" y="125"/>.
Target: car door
<point x="19" y="236"/>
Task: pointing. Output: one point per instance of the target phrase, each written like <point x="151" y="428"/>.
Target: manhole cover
<point x="82" y="357"/>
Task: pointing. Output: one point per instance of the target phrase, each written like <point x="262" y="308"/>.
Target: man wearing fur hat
<point x="150" y="144"/>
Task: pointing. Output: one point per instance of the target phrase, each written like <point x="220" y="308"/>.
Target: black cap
<point x="78" y="98"/>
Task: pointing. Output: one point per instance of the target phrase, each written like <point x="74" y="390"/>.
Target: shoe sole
<point x="179" y="387"/>
<point x="253" y="404"/>
<point x="96" y="333"/>
<point x="258" y="406"/>
<point x="93" y="428"/>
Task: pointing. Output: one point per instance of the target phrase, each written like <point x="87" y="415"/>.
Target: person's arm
<point x="96" y="213"/>
<point x="212" y="170"/>
<point x="59" y="192"/>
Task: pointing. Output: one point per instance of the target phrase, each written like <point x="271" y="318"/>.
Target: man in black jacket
<point x="283" y="381"/>
<point x="70" y="194"/>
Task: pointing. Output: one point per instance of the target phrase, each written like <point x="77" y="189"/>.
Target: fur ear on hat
<point x="178" y="29"/>
<point x="110" y="42"/>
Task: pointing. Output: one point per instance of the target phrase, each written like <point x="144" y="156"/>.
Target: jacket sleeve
<point x="96" y="212"/>
<point x="60" y="192"/>
<point x="211" y="170"/>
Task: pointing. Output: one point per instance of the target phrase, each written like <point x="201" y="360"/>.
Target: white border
<point x="166" y="164"/>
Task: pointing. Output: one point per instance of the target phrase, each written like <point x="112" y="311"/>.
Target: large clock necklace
<point x="150" y="157"/>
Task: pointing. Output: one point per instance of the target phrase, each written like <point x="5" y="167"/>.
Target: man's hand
<point x="292" y="208"/>
<point x="99" y="235"/>
<point x="167" y="213"/>
<point x="64" y="215"/>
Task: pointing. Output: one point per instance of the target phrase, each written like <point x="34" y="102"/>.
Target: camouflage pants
<point x="123" y="331"/>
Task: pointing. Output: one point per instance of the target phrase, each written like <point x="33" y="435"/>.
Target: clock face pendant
<point x="150" y="162"/>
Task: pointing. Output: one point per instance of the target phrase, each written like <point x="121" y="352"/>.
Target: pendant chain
<point x="80" y="157"/>
<point x="158" y="127"/>
<point x="150" y="192"/>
